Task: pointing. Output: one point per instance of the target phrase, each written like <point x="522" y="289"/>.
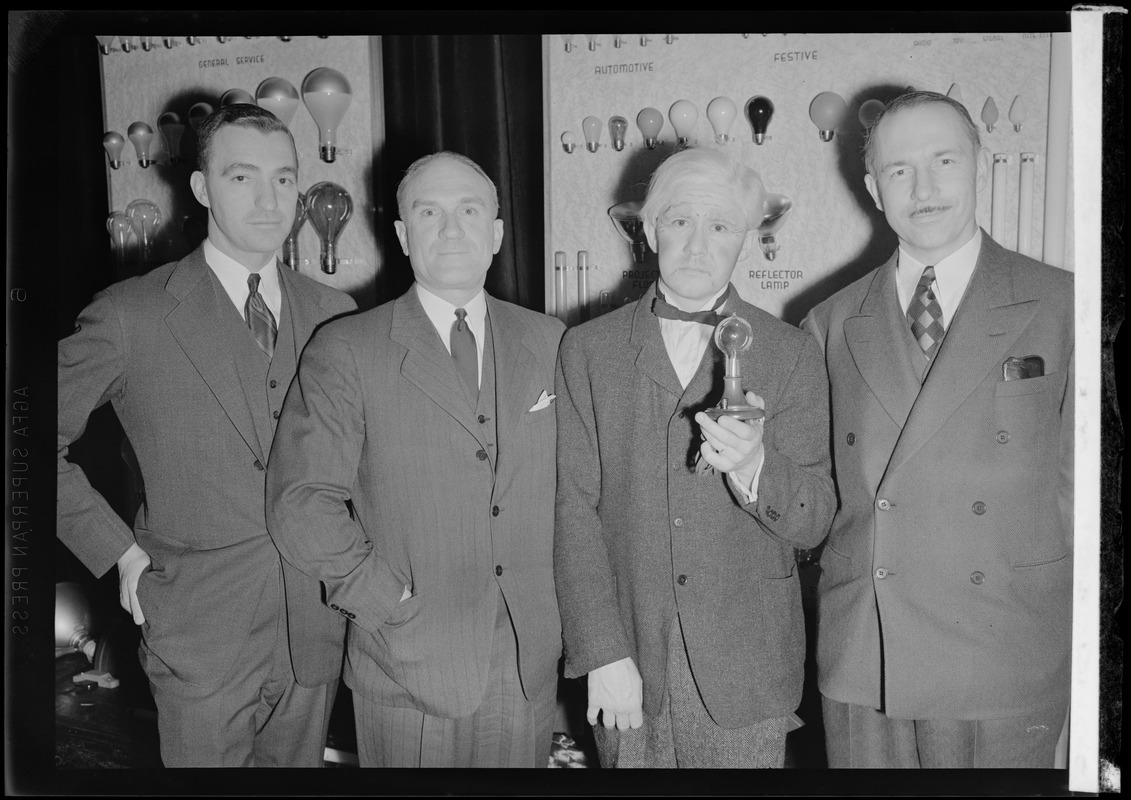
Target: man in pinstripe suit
<point x="422" y="493"/>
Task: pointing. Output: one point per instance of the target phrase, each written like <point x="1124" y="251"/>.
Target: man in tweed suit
<point x="677" y="585"/>
<point x="414" y="475"/>
<point x="944" y="607"/>
<point x="242" y="657"/>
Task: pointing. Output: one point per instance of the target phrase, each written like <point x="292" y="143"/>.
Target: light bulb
<point x="683" y="115"/>
<point x="955" y="93"/>
<point x="233" y="96"/>
<point x="172" y="128"/>
<point x="775" y="209"/>
<point x="650" y="121"/>
<point x="142" y="136"/>
<point x="989" y="114"/>
<point x="104" y="43"/>
<point x="629" y="224"/>
<point x="593" y="43"/>
<point x="827" y="111"/>
<point x="1017" y="114"/>
<point x="618" y="127"/>
<point x="286" y="38"/>
<point x="73" y="620"/>
<point x="591" y="128"/>
<point x="169" y="41"/>
<point x="145" y="217"/>
<point x="114" y="142"/>
<point x="127" y="43"/>
<point x="759" y="112"/>
<point x="619" y="39"/>
<point x="198" y="113"/>
<point x="290" y="246"/>
<point x="280" y="97"/>
<point x="222" y="39"/>
<point x="567" y="42"/>
<point x="191" y="39"/>
<point x="670" y="37"/>
<point x="869" y="110"/>
<point x="120" y="228"/>
<point x="327" y="95"/>
<point x="329" y="208"/>
<point x="721" y="113"/>
<point x="147" y="43"/>
<point x="733" y="336"/>
<point x="644" y="39"/>
<point x="569" y="141"/>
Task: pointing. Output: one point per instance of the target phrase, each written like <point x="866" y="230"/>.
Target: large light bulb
<point x="759" y="112"/>
<point x="629" y="224"/>
<point x="618" y="127"/>
<point x="683" y="115"/>
<point x="569" y="141"/>
<point x="233" y="96"/>
<point x="290" y="246"/>
<point x="73" y="620"/>
<point x="327" y="95"/>
<point x="120" y="228"/>
<point x="721" y="113"/>
<point x="114" y="143"/>
<point x="650" y="121"/>
<point x="1017" y="113"/>
<point x="280" y="97"/>
<point x="142" y="137"/>
<point x="198" y="113"/>
<point x="172" y="128"/>
<point x="827" y="111"/>
<point x="989" y="114"/>
<point x="775" y="209"/>
<point x="869" y="110"/>
<point x="591" y="128"/>
<point x="145" y="217"/>
<point x="104" y="43"/>
<point x="329" y="208"/>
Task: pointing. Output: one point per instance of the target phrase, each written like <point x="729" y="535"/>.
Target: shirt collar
<point x="709" y="302"/>
<point x="951" y="272"/>
<point x="442" y="313"/>
<point x="233" y="277"/>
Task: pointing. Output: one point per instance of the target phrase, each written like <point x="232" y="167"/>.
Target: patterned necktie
<point x="259" y="317"/>
<point x="665" y="310"/>
<point x="925" y="315"/>
<point x="464" y="352"/>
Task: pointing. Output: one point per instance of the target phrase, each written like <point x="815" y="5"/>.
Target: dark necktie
<point x="464" y="352"/>
<point x="259" y="317"/>
<point x="925" y="314"/>
<point x="665" y="310"/>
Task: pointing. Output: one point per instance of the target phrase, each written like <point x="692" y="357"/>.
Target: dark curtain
<point x="479" y="95"/>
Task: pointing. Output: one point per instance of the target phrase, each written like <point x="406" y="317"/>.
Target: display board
<point x="832" y="231"/>
<point x="142" y="80"/>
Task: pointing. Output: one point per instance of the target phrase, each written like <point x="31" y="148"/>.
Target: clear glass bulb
<point x="329" y="207"/>
<point x="120" y="228"/>
<point x="650" y="121"/>
<point x="591" y="129"/>
<point x="775" y="209"/>
<point x="327" y="95"/>
<point x="989" y="114"/>
<point x="114" y="143"/>
<point x="280" y="97"/>
<point x="721" y="113"/>
<point x="869" y="110"/>
<point x="145" y="217"/>
<point x="1018" y="113"/>
<point x="142" y="137"/>
<point x="683" y="115"/>
<point x="827" y="111"/>
<point x="290" y="246"/>
<point x="233" y="96"/>
<point x="618" y="127"/>
<point x="630" y="225"/>
<point x="759" y="112"/>
<point x="172" y="128"/>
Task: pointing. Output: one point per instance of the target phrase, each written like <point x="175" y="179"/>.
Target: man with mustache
<point x="944" y="611"/>
<point x="196" y="357"/>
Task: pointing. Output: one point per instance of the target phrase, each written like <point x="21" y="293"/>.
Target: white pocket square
<point x="543" y="401"/>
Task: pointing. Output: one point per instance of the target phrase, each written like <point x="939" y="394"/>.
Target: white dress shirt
<point x="686" y="342"/>
<point x="952" y="276"/>
<point x="443" y="314"/>
<point x="233" y="277"/>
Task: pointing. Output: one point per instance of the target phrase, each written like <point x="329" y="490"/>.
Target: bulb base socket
<point x="827" y="136"/>
<point x="651" y="143"/>
<point x="759" y="138"/>
<point x="328" y="152"/>
<point x="591" y="146"/>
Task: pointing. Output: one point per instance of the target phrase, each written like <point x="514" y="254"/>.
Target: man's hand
<point x="731" y="445"/>
<point x="130" y="566"/>
<point x="617" y="694"/>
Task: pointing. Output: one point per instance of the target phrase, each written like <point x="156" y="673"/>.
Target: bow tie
<point x="665" y="310"/>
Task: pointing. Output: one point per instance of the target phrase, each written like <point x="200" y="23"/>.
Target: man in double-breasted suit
<point x="677" y="584"/>
<point x="944" y="611"/>
<point x="414" y="475"/>
<point x="196" y="357"/>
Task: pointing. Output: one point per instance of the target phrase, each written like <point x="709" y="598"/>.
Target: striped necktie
<point x="259" y="317"/>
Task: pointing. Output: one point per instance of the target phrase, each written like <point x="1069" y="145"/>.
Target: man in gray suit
<point x="196" y="357"/>
<point x="945" y="600"/>
<point x="677" y="585"/>
<point x="414" y="475"/>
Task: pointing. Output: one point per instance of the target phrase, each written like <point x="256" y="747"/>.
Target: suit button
<point x="334" y="606"/>
<point x="978" y="508"/>
<point x="681" y="580"/>
<point x="274" y="383"/>
<point x="481" y="455"/>
<point x="351" y="615"/>
<point x="498" y="569"/>
<point x="258" y="466"/>
<point x="1003" y="436"/>
<point x="851" y="439"/>
<point x="881" y="573"/>
<point x="275" y="414"/>
<point x="494" y="511"/>
<point x="977" y="578"/>
<point x="883" y="504"/>
<point x="482" y="419"/>
<point x="678" y="522"/>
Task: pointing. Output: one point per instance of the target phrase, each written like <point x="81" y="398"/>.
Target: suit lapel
<point x="652" y="359"/>
<point x="303" y="310"/>
<point x="875" y="338"/>
<point x="428" y="365"/>
<point x="990" y="317"/>
<point x="515" y="366"/>
<point x="196" y="324"/>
